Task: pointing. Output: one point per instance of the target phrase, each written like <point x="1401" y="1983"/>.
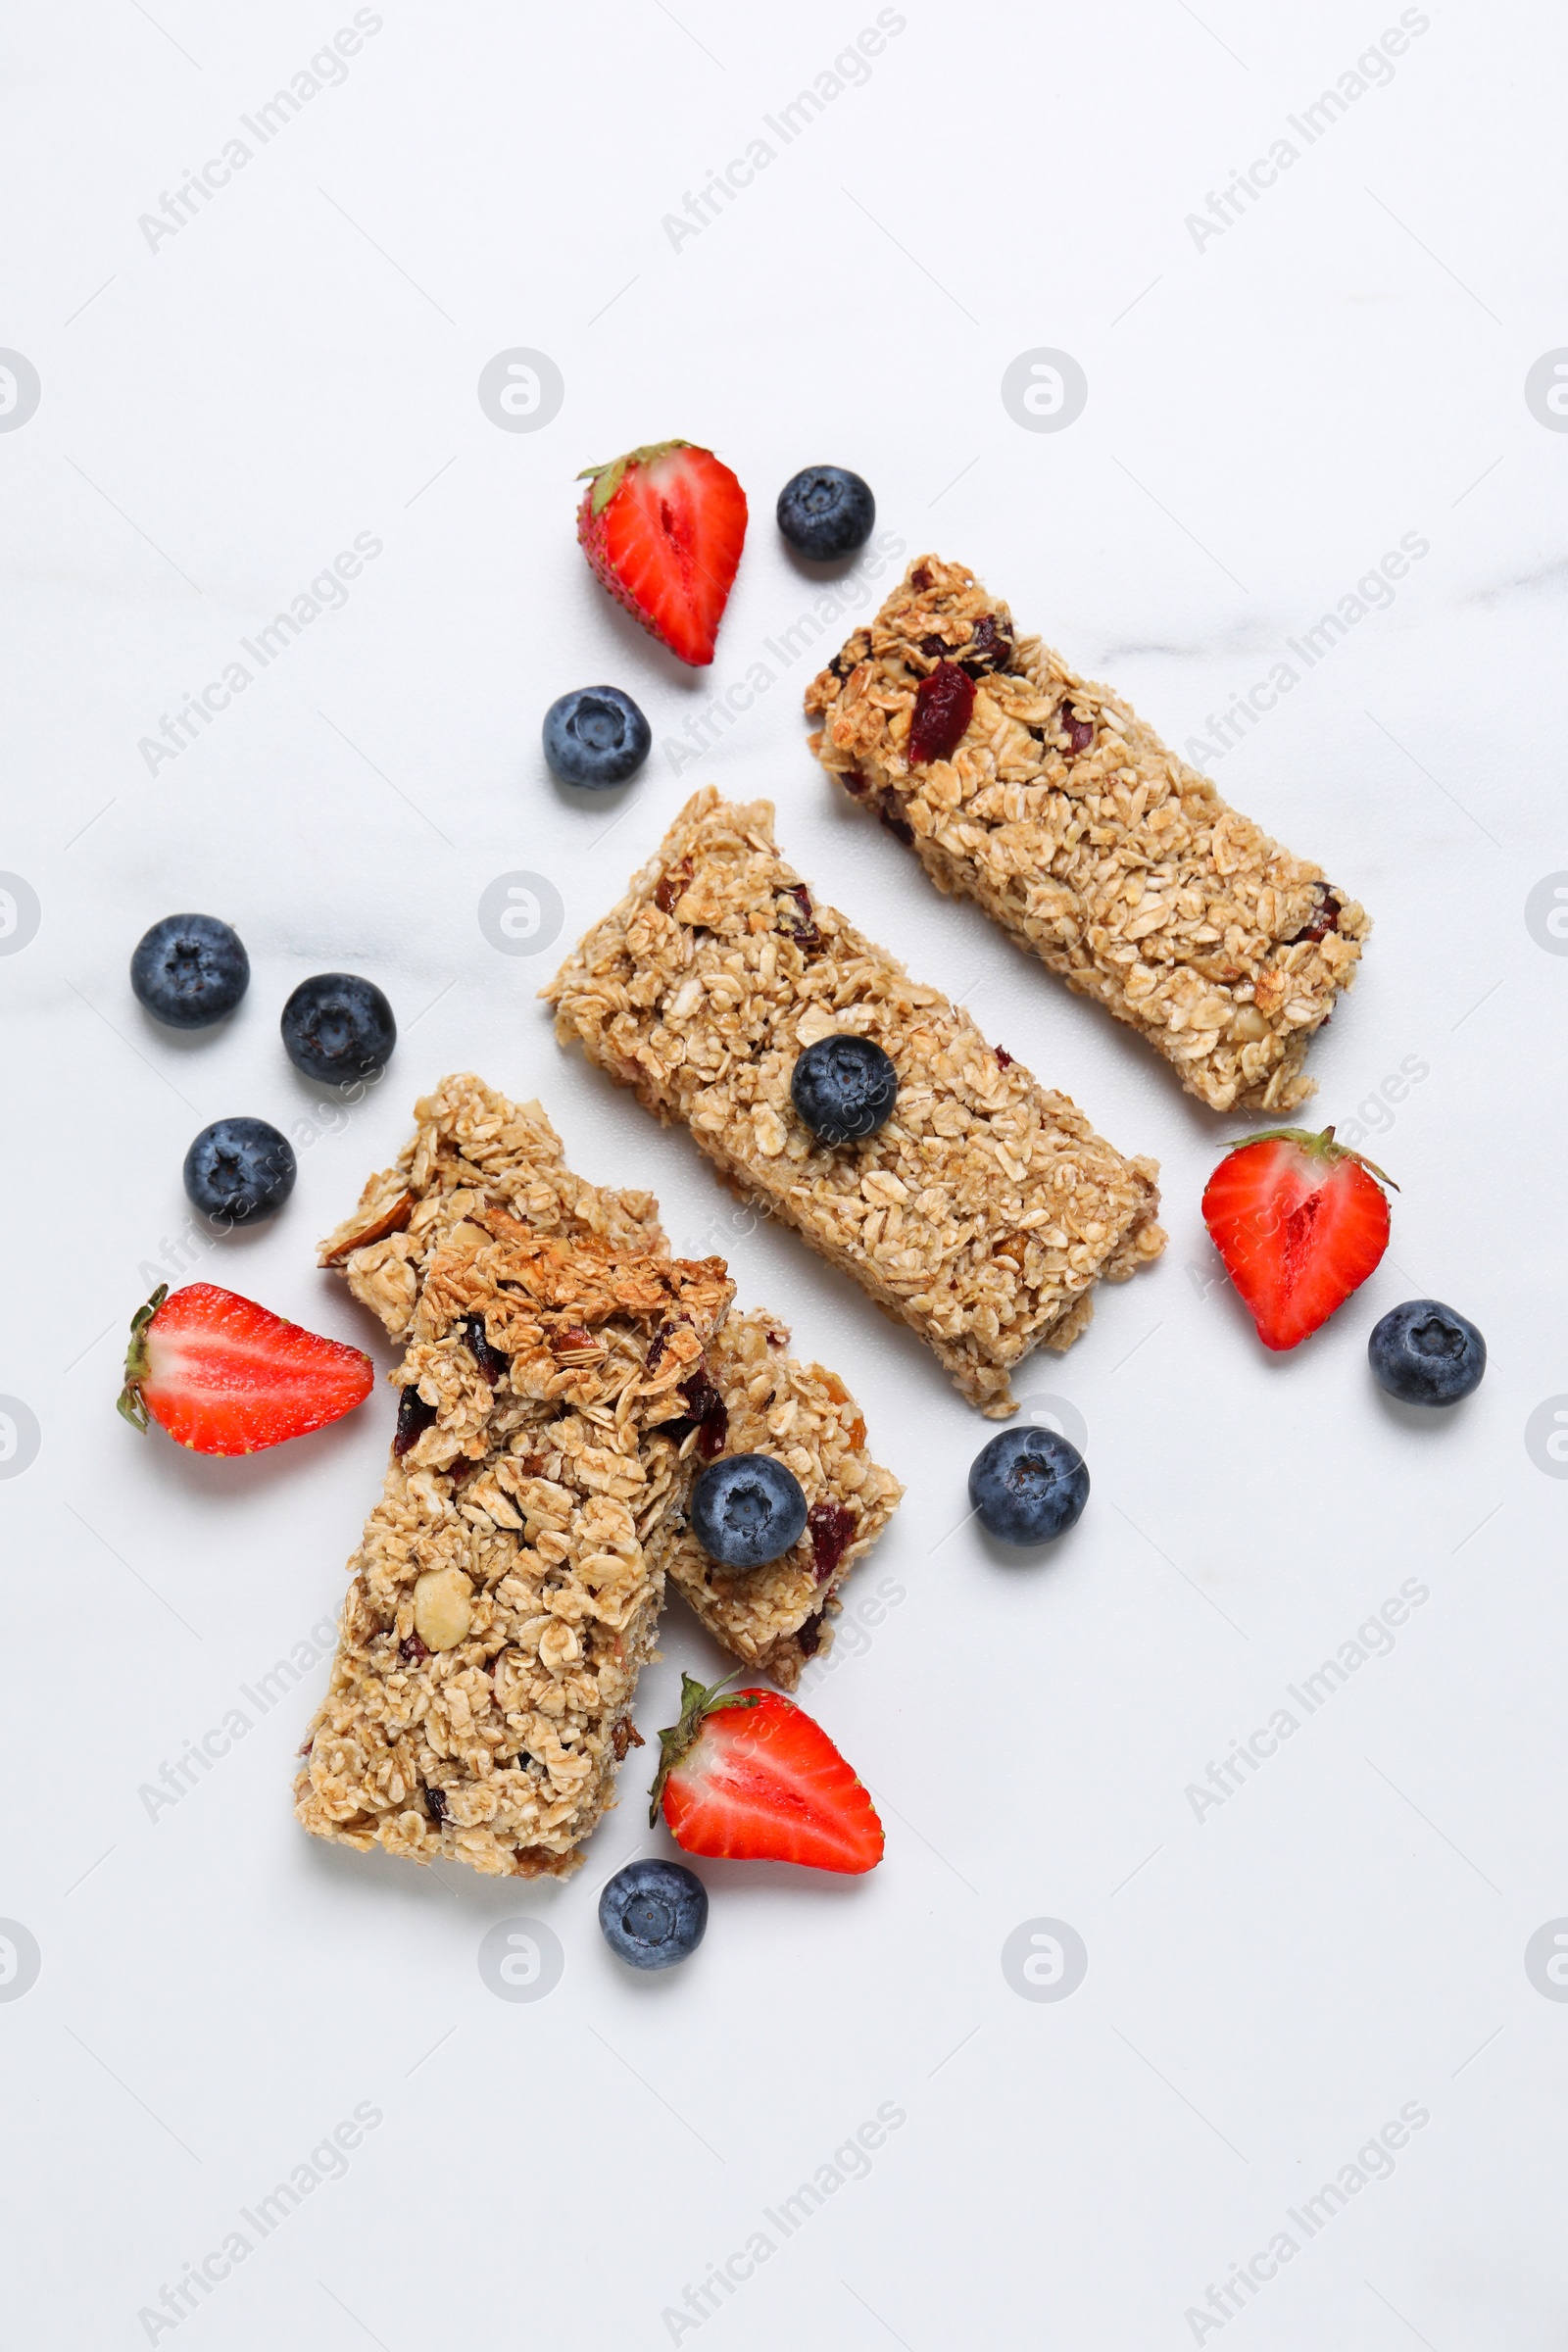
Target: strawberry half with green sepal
<point x="748" y="1776"/>
<point x="222" y="1375"/>
<point x="1300" y="1222"/>
<point x="664" y="527"/>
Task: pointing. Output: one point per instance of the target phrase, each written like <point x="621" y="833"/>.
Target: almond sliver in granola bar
<point x="508" y="1583"/>
<point x="982" y="1213"/>
<point x="471" y="1148"/>
<point x="1095" y="847"/>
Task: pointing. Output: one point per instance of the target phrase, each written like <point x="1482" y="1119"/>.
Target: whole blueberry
<point x="1027" y="1486"/>
<point x="823" y="511"/>
<point x="239" y="1169"/>
<point x="844" y="1087"/>
<point x="747" y="1509"/>
<point x="596" y="737"/>
<point x="338" y="1027"/>
<point x="654" y="1913"/>
<point x="189" y="970"/>
<point x="1425" y="1354"/>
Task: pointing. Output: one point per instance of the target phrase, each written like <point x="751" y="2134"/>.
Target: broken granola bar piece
<point x="984" y="1210"/>
<point x="1096" y="848"/>
<point x="508" y="1583"/>
<point x="473" y="1148"/>
<point x="777" y="1616"/>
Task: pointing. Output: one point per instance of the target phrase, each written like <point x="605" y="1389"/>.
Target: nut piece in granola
<point x="1020" y="785"/>
<point x="982" y="1212"/>
<point x="443" y="1607"/>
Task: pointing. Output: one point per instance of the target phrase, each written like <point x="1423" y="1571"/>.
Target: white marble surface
<point x="1271" y="408"/>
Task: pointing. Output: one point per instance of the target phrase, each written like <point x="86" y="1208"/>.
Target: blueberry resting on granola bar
<point x="748" y="1509"/>
<point x="844" y="1087"/>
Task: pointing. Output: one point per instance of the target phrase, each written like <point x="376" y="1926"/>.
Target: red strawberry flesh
<point x="1300" y="1222"/>
<point x="222" y="1375"/>
<point x="664" y="528"/>
<point x="751" y="1777"/>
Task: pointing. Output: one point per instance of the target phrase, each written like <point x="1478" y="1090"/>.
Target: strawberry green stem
<point x="607" y="479"/>
<point x="137" y="1365"/>
<point x="1316" y="1147"/>
<point x="698" y="1700"/>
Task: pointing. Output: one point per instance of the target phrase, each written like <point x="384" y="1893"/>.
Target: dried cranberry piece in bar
<point x="414" y="1417"/>
<point x="831" y="1527"/>
<point x="672" y="885"/>
<point x="943" y="705"/>
<point x="797" y="921"/>
<point x="808" y="1636"/>
<point x="705" y="1412"/>
<point x="1324" y="918"/>
<point x="988" y="649"/>
<point x="490" y="1360"/>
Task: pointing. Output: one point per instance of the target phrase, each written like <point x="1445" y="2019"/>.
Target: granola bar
<point x="505" y="1591"/>
<point x="473" y="1147"/>
<point x="1097" y="849"/>
<point x="982" y="1213"/>
<point x="778" y="1616"/>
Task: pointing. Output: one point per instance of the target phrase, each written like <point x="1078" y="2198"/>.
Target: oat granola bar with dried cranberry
<point x="473" y="1147"/>
<point x="982" y="1213"/>
<point x="779" y="1616"/>
<point x="507" y="1586"/>
<point x="1048" y="801"/>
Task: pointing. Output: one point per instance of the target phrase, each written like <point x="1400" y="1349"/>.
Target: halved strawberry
<point x="664" y="527"/>
<point x="749" y="1776"/>
<point x="223" y="1375"/>
<point x="1300" y="1222"/>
